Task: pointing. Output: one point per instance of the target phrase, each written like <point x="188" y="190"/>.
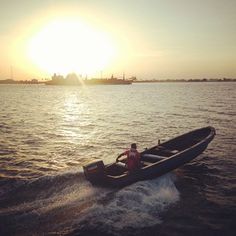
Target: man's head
<point x="133" y="145"/>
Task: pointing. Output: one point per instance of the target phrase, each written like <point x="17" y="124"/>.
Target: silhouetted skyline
<point x="160" y="39"/>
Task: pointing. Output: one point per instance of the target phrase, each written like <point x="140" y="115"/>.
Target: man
<point x="133" y="158"/>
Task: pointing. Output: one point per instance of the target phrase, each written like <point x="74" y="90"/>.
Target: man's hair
<point x="133" y="145"/>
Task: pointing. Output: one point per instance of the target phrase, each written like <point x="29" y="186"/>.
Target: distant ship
<point x="108" y="81"/>
<point x="73" y="80"/>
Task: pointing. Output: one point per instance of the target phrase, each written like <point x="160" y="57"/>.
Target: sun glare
<point x="69" y="45"/>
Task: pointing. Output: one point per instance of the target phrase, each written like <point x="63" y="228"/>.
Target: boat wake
<point x="68" y="204"/>
<point x="135" y="206"/>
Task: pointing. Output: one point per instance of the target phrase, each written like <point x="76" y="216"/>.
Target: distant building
<point x="57" y="77"/>
<point x="72" y="78"/>
<point x="34" y="81"/>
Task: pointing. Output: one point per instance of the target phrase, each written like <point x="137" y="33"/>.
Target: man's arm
<point x="122" y="154"/>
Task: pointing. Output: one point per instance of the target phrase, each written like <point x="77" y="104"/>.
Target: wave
<point x="69" y="201"/>
<point x="134" y="207"/>
<point x="15" y="190"/>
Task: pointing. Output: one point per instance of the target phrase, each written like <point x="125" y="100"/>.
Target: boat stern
<point x="94" y="171"/>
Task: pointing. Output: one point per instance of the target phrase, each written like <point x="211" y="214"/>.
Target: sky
<point x="149" y="39"/>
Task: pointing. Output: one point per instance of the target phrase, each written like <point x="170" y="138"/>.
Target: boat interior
<point x="160" y="152"/>
<point x="147" y="158"/>
<point x="187" y="140"/>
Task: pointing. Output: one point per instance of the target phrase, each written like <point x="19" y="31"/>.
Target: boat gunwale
<point x="210" y="136"/>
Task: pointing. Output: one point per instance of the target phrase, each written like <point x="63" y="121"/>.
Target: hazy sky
<point x="145" y="38"/>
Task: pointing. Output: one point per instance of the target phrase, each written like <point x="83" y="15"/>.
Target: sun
<point x="70" y="45"/>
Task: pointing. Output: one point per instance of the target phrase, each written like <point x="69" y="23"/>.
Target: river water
<point x="48" y="132"/>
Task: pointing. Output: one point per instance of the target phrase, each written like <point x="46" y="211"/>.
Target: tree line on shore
<point x="35" y="81"/>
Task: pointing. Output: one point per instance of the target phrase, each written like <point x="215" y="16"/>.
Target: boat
<point x="155" y="161"/>
<point x="70" y="80"/>
<point x="108" y="81"/>
<point x="73" y="80"/>
<point x="113" y="81"/>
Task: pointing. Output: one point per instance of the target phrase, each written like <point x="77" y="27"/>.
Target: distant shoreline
<point x="34" y="81"/>
<point x="185" y="80"/>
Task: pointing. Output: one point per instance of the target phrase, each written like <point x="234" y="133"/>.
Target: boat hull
<point x="195" y="141"/>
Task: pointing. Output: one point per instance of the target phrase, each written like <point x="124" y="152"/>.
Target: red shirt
<point x="132" y="159"/>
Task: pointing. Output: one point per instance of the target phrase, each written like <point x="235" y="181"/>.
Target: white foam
<point x="135" y="206"/>
<point x="138" y="205"/>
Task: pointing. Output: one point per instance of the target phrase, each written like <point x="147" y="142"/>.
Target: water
<point x="47" y="133"/>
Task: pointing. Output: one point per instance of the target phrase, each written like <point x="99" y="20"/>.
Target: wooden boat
<point x="155" y="161"/>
